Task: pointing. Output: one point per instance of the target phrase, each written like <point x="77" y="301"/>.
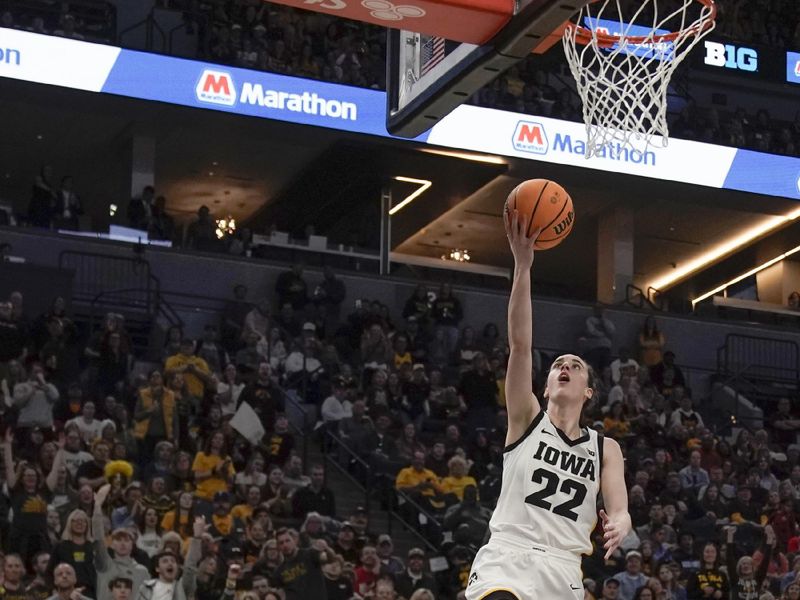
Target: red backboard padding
<point x="472" y="21"/>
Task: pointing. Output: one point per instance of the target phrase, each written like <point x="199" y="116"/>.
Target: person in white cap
<point x="632" y="578"/>
<point x="122" y="564"/>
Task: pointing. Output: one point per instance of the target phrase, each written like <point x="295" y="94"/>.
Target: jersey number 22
<point x="551" y="482"/>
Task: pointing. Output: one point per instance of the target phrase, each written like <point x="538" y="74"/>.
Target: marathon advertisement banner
<point x="106" y="69"/>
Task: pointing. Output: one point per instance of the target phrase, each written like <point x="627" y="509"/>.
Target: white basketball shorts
<point x="528" y="571"/>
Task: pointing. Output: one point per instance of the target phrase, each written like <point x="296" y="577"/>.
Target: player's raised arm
<point x="521" y="403"/>
<point x="615" y="517"/>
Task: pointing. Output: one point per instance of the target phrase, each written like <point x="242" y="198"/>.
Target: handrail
<point x="150" y="23"/>
<point x="390" y="513"/>
<point x="352" y="456"/>
<point x="188" y="16"/>
<point x="629" y="299"/>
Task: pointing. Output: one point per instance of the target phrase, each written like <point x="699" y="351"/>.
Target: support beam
<point x="614" y="254"/>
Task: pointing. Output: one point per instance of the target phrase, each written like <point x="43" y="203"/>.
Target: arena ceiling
<point x="263" y="172"/>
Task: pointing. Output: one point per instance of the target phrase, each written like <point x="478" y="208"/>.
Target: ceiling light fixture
<point x="481" y="158"/>
<point x="225" y="227"/>
<point x="727" y="247"/>
<point x="457" y="255"/>
<point x="744" y="276"/>
<point x="423" y="184"/>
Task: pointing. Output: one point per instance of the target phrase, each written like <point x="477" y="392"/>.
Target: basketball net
<point x="623" y="61"/>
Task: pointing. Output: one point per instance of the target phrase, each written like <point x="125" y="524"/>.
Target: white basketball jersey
<point x="550" y="487"/>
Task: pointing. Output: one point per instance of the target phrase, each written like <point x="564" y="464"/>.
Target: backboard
<point x="429" y="76"/>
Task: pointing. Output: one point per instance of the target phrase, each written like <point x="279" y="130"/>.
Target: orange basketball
<point x="551" y="209"/>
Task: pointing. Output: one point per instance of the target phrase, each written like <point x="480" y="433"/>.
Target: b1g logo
<point x="216" y="87"/>
<point x="530" y="136"/>
<point x="728" y="56"/>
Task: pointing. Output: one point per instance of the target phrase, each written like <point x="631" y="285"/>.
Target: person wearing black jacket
<point x="415" y="577"/>
<point x="709" y="582"/>
<point x="745" y="581"/>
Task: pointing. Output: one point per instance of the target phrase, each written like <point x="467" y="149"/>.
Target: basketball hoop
<point x="623" y="62"/>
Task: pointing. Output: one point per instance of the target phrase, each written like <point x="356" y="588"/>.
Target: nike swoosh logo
<point x="591" y="452"/>
<point x="572" y="587"/>
<point x="548" y="432"/>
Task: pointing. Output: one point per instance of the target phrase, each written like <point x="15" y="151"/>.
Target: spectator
<point x="87" y="425"/>
<point x="666" y="375"/>
<point x="447" y="314"/>
<point x="478" y="388"/>
<point x="161" y="225"/>
<point x="419" y="483"/>
<point x="624" y="366"/>
<point x="213" y="468"/>
<point x="418" y="307"/>
<point x="77" y="550"/>
<point x="368" y="572"/>
<point x="693" y="476"/>
<point x="632" y="578"/>
<point x="337" y="585"/>
<point x="315" y="497"/>
<point x="292" y="288"/>
<point x="293" y="477"/>
<point x="785" y="425"/>
<point x="263" y="396"/>
<point x="140" y="209"/>
<point x="745" y="581"/>
<point x="300" y="573"/>
<point x="598" y="338"/>
<point x="414" y="577"/>
<point x="26" y="495"/>
<point x="201" y="233"/>
<point x="167" y="582"/>
<point x="211" y="351"/>
<point x="685" y="415"/>
<point x="196" y="372"/>
<point x="256" y="321"/>
<point x="41" y="209"/>
<point x="35" y="399"/>
<point x="330" y="292"/>
<point x="12" y="335"/>
<point x="122" y="564"/>
<point x="336" y="406"/>
<point x="385" y="547"/>
<point x="793" y="301"/>
<point x="610" y="589"/>
<point x="468" y="516"/>
<point x="651" y="343"/>
<point x="65" y="582"/>
<point x="709" y="581"/>
<point x="154" y="417"/>
<point x="67" y="206"/>
<point x="68" y="28"/>
<point x="13" y="572"/>
<point x="457" y="480"/>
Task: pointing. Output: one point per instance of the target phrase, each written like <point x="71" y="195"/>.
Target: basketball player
<point x="552" y="469"/>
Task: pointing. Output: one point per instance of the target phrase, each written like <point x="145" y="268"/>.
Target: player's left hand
<point x="613" y="534"/>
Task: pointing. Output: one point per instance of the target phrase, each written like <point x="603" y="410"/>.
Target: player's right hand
<point x="521" y="245"/>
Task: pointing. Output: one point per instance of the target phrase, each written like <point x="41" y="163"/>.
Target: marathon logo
<point x="530" y="136"/>
<point x="217" y="87"/>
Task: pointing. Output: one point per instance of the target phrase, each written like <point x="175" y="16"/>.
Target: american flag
<point x="432" y="54"/>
